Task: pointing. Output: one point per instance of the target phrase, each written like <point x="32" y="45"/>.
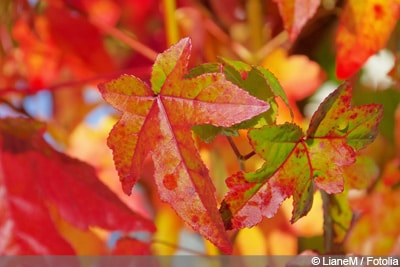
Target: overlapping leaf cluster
<point x="157" y="122"/>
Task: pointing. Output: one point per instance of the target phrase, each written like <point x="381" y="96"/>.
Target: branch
<point x="131" y="42"/>
<point x="330" y="246"/>
<point x="241" y="158"/>
<point x="142" y="71"/>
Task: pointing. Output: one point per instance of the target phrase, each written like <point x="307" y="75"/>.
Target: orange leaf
<point x="296" y="13"/>
<point x="364" y="29"/>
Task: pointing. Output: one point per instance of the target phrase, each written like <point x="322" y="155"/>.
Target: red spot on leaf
<point x="195" y="219"/>
<point x="378" y="11"/>
<point x="170" y="182"/>
<point x="353" y="116"/>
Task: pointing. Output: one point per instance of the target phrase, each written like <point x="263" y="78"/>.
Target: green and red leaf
<point x="296" y="162"/>
<point x="156" y="121"/>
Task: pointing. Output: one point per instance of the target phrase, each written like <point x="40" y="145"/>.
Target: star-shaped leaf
<point x="157" y="121"/>
<point x="296" y="162"/>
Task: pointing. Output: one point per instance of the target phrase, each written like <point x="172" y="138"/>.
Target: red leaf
<point x="364" y="29"/>
<point x="106" y="11"/>
<point x="296" y="13"/>
<point x="34" y="177"/>
<point x="80" y="41"/>
<point x="158" y="120"/>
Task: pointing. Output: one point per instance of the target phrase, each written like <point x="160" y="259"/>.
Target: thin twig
<point x="331" y="247"/>
<point x="131" y="42"/>
<point x="241" y="158"/>
<point x="28" y="90"/>
<point x="237" y="153"/>
<point x="20" y="110"/>
<point x="249" y="155"/>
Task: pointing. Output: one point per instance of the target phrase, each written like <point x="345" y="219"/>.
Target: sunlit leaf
<point x="364" y="29"/>
<point x="158" y="121"/>
<point x="298" y="162"/>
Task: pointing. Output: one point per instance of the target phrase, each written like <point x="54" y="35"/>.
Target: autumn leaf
<point x="298" y="162"/>
<point x="35" y="180"/>
<point x="296" y="13"/>
<point x="158" y="121"/>
<point x="67" y="30"/>
<point x="256" y="80"/>
<point x="364" y="29"/>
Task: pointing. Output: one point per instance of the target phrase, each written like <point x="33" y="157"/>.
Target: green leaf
<point x="275" y="144"/>
<point x="258" y="81"/>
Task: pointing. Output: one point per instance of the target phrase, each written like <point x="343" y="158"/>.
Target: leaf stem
<point x="249" y="155"/>
<point x="170" y="22"/>
<point x="241" y="158"/>
<point x="237" y="153"/>
<point x="20" y="110"/>
<point x="330" y="246"/>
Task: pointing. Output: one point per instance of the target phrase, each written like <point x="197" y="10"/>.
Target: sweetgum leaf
<point x="335" y="118"/>
<point x="157" y="121"/>
<point x="256" y="80"/>
<point x="286" y="173"/>
<point x="364" y="29"/>
<point x="35" y="178"/>
<point x="296" y="162"/>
